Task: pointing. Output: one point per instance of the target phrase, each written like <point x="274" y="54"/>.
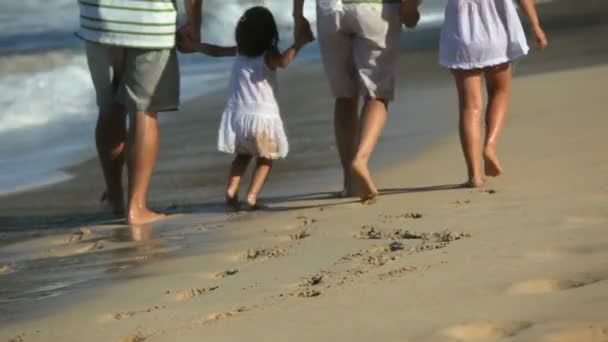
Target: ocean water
<point x="48" y="106"/>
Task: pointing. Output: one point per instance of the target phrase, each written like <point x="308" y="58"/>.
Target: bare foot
<point x="115" y="204"/>
<point x="232" y="200"/>
<point x="474" y="183"/>
<point x="361" y="172"/>
<point x="141" y="216"/>
<point x="370" y="199"/>
<point x="492" y="165"/>
<point x="253" y="205"/>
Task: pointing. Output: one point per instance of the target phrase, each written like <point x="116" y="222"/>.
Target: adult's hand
<point x="301" y="28"/>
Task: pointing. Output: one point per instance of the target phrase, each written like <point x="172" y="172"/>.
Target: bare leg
<point x="110" y="138"/>
<point x="373" y="121"/>
<point x="262" y="170"/>
<point x="346" y="126"/>
<point x="470" y="99"/>
<point x="143" y="152"/>
<point x="239" y="165"/>
<point x="498" y="81"/>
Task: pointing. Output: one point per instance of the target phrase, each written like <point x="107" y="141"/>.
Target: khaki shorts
<point x="142" y="80"/>
<point x="360" y="49"/>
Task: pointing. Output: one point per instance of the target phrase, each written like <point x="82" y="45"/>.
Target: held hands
<point x="410" y="16"/>
<point x="188" y="38"/>
<point x="541" y="38"/>
<point x="302" y="32"/>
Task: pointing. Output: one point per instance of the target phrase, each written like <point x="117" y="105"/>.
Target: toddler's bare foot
<point x="253" y="205"/>
<point x="361" y="172"/>
<point x="139" y="216"/>
<point x="474" y="183"/>
<point x="492" y="165"/>
<point x="370" y="199"/>
<point x="232" y="200"/>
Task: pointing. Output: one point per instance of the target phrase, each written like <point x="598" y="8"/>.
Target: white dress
<point x="481" y="33"/>
<point x="251" y="122"/>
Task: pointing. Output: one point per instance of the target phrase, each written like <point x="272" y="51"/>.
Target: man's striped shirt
<point x="147" y="24"/>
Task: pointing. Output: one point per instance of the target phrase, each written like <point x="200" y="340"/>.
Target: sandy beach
<point x="524" y="259"/>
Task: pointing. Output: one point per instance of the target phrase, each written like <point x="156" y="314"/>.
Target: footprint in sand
<point x="262" y="254"/>
<point x="485" y="331"/>
<point x="227" y="273"/>
<point x="303" y="221"/>
<point x="299" y="235"/>
<point x="134" y="338"/>
<point x="306" y="293"/>
<point x="540" y="286"/>
<point x="191" y="293"/>
<point x="461" y="203"/>
<point x="128" y="314"/>
<point x="214" y="317"/>
<point x="590" y="332"/>
<point x="405" y="216"/>
<point x="90" y="247"/>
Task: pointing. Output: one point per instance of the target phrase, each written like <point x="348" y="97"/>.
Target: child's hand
<point x="541" y="38"/>
<point x="186" y="45"/>
<point x="303" y="34"/>
<point x="410" y="16"/>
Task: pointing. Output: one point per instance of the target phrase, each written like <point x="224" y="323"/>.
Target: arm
<point x="529" y="9"/>
<point x="217" y="51"/>
<point x="302" y="36"/>
<point x="276" y="59"/>
<point x="193" y="12"/>
<point x="300" y="22"/>
<point x="190" y="33"/>
<point x="298" y="9"/>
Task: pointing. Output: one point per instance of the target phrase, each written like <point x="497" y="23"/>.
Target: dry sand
<point x="525" y="259"/>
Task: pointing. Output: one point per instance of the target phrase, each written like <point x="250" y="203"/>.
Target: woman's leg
<point x="237" y="170"/>
<point x="498" y="82"/>
<point x="372" y="123"/>
<point x="470" y="101"/>
<point x="262" y="170"/>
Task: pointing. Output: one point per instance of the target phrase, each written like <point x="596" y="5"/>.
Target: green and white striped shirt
<point x="145" y="24"/>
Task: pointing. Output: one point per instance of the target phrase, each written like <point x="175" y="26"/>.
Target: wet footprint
<point x="485" y="331"/>
<point x="540" y="286"/>
<point x="4" y="268"/>
<point x="589" y="332"/>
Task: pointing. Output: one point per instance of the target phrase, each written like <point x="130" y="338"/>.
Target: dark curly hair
<point x="256" y="32"/>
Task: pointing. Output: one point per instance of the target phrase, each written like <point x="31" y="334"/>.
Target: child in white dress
<point x="482" y="38"/>
<point x="251" y="125"/>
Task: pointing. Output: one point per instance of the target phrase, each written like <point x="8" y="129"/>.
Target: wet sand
<point x="522" y="260"/>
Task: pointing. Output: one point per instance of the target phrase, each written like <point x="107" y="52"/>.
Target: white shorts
<point x="360" y="49"/>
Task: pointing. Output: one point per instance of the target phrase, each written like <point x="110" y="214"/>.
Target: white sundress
<point x="481" y="33"/>
<point x="251" y="122"/>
